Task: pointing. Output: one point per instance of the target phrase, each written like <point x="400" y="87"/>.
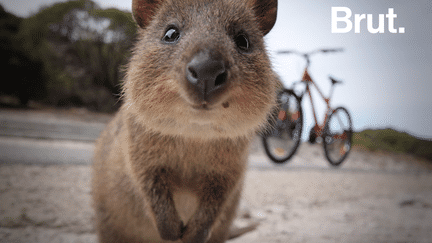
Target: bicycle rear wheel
<point x="337" y="137"/>
<point x="283" y="137"/>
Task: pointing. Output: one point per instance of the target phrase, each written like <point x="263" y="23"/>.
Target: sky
<point x="387" y="76"/>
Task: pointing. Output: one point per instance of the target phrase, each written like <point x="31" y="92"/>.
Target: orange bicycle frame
<point x="308" y="80"/>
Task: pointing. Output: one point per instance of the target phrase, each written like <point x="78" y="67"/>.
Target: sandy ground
<point x="293" y="204"/>
<point x="374" y="197"/>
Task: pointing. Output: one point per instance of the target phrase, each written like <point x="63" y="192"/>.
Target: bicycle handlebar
<point x="332" y="50"/>
<point x="306" y="55"/>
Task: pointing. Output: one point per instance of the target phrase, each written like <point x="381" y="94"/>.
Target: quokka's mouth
<point x="203" y="106"/>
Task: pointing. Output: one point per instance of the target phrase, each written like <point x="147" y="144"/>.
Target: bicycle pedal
<point x="312" y="139"/>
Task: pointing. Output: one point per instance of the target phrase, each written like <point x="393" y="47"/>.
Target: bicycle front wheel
<point x="337" y="137"/>
<point x="283" y="137"/>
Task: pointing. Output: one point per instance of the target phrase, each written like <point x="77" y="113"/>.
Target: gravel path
<point x="374" y="197"/>
<point x="293" y="204"/>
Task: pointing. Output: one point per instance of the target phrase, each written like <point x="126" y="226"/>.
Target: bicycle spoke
<point x="283" y="141"/>
<point x="337" y="137"/>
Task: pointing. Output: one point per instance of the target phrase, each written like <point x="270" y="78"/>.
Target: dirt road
<point x="293" y="204"/>
<point x="373" y="198"/>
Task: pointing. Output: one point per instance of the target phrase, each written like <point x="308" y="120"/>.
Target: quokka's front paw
<point x="171" y="229"/>
<point x="194" y="233"/>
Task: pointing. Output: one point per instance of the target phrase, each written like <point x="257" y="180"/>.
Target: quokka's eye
<point x="242" y="42"/>
<point x="172" y="35"/>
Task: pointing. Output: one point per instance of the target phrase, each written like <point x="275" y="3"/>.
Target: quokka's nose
<point x="207" y="74"/>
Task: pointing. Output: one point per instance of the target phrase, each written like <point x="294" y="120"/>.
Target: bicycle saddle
<point x="334" y="81"/>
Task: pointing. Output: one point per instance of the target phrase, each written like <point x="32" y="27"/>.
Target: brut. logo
<point x="335" y="20"/>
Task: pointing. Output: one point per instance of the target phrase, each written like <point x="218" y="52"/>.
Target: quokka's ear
<point x="144" y="10"/>
<point x="266" y="12"/>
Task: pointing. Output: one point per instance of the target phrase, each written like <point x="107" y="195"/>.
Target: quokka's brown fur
<point x="170" y="165"/>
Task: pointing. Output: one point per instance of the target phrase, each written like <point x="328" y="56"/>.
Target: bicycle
<point x="282" y="139"/>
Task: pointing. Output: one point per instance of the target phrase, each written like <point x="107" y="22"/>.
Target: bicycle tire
<point x="331" y="137"/>
<point x="289" y="131"/>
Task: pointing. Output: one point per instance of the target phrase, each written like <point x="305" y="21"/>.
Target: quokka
<point x="170" y="165"/>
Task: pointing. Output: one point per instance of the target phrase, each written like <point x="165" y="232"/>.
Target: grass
<point x="393" y="141"/>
